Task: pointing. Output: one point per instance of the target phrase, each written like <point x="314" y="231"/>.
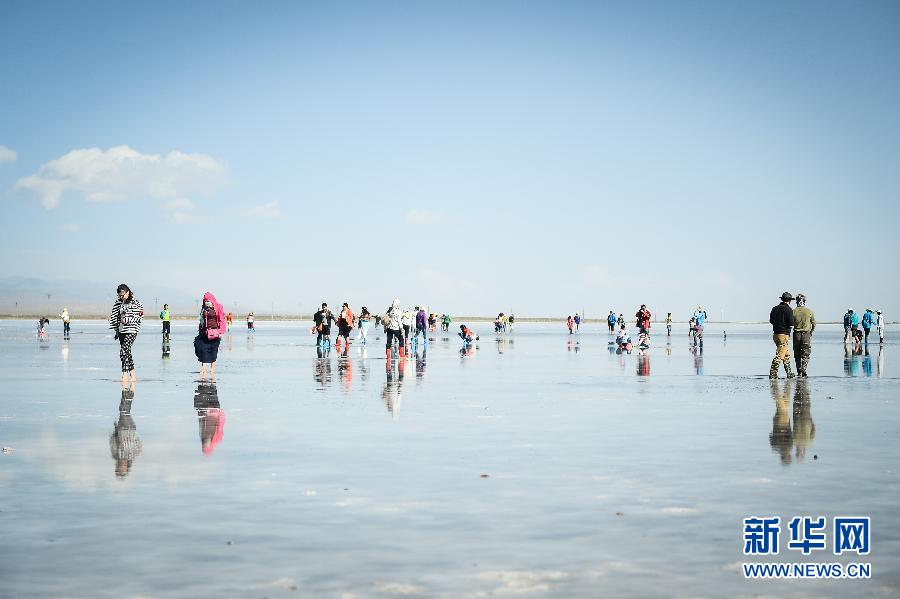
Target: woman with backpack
<point x="125" y="319"/>
<point x="209" y="335"/>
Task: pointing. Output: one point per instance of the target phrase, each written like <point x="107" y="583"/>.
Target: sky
<point x="536" y="157"/>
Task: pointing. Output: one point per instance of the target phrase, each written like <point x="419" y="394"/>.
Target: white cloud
<point x="423" y="217"/>
<point x="71" y="228"/>
<point x="121" y="173"/>
<point x="7" y="155"/>
<point x="270" y="210"/>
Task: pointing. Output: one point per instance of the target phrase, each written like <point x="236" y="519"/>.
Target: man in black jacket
<point x="782" y="319"/>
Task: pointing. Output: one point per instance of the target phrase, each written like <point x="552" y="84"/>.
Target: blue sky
<point x="539" y="157"/>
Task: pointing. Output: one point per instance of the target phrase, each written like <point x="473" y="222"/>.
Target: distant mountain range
<point x="81" y="297"/>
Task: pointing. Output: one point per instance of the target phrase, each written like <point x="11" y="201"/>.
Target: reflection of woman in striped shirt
<point x="124" y="443"/>
<point x="125" y="320"/>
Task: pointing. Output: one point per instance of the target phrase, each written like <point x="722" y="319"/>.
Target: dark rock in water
<point x="485" y="475"/>
<point x="620" y="513"/>
<point x="230" y="543"/>
<point x="815" y="456"/>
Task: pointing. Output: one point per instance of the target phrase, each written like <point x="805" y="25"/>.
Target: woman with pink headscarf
<point x="212" y="327"/>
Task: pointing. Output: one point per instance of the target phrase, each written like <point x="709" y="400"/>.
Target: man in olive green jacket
<point x="804" y="325"/>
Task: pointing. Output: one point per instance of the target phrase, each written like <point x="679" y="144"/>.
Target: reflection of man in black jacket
<point x="323" y="319"/>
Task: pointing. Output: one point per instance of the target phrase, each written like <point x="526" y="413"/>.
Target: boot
<point x="387" y="354"/>
<point x="787" y="369"/>
<point x="773" y="370"/>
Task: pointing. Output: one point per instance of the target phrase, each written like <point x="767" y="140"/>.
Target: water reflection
<point x="124" y="443"/>
<point x="393" y="384"/>
<point x="867" y="362"/>
<point x="787" y="436"/>
<point x="697" y="352"/>
<point x="345" y="369"/>
<point x="166" y="345"/>
<point x="879" y="365"/>
<point x="322" y="367"/>
<point x="420" y="365"/>
<point x="643" y="362"/>
<point x="851" y="360"/>
<point x="210" y="416"/>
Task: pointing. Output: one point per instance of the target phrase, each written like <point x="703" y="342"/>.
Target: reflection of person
<point x="785" y="435"/>
<point x="698" y="360"/>
<point x="804" y="428"/>
<point x="643" y="363"/>
<point x="392" y="385"/>
<point x="124" y="443"/>
<point x="210" y="415"/>
<point x="782" y="437"/>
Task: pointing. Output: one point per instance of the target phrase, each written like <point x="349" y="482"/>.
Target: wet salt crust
<point x="616" y="475"/>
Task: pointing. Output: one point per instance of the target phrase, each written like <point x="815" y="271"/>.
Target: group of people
<point x="803" y="322"/>
<point x="870" y="319"/>
<point x="127" y="315"/>
<point x="503" y="322"/>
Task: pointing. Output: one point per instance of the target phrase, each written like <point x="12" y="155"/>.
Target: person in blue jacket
<point x="868" y="321"/>
<point x="611" y="321"/>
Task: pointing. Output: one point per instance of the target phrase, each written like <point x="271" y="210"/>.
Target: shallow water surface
<point x="534" y="463"/>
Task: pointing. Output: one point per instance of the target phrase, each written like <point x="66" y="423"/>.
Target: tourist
<point x="210" y="329"/>
<point x="322" y="327"/>
<point x="879" y="328"/>
<point x="166" y="317"/>
<point x="782" y="319"/>
<point x="65" y="320"/>
<point x="868" y="321"/>
<point x="804" y="325"/>
<point x="611" y="322"/>
<point x="393" y="327"/>
<point x="125" y="319"/>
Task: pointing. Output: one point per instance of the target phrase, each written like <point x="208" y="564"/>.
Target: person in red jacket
<point x="643" y="319"/>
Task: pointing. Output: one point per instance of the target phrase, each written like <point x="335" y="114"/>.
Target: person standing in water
<point x="166" y="317"/>
<point x="577" y="322"/>
<point x="699" y="320"/>
<point x="879" y="328"/>
<point x="323" y="319"/>
<point x="445" y="323"/>
<point x="848" y="316"/>
<point x="868" y="321"/>
<point x="643" y="319"/>
<point x="782" y="319"/>
<point x="394" y="329"/>
<point x="125" y="319"/>
<point x="249" y="322"/>
<point x="669" y="324"/>
<point x="209" y="334"/>
<point x="364" y="319"/>
<point x="804" y="325"/>
<point x="620" y="321"/>
<point x="345" y="323"/>
<point x="611" y="322"/>
<point x="421" y="321"/>
<point x="65" y="319"/>
<point x="570" y="323"/>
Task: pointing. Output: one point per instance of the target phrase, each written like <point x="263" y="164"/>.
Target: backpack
<point x="211" y="324"/>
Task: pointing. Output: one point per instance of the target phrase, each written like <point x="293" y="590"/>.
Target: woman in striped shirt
<point x="125" y="320"/>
